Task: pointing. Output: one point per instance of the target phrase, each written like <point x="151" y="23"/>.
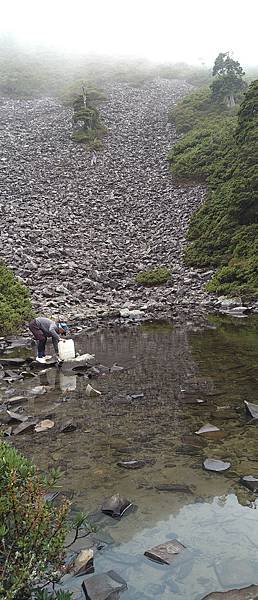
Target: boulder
<point x="249" y="482"/>
<point x="105" y="586"/>
<point x="116" y="506"/>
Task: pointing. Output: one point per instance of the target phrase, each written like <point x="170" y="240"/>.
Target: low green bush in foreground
<point x="154" y="277"/>
<point x="15" y="304"/>
<point x="32" y="530"/>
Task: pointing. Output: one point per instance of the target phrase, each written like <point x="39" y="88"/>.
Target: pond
<point x="174" y="381"/>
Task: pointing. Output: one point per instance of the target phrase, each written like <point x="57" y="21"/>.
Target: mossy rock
<point x="154" y="277"/>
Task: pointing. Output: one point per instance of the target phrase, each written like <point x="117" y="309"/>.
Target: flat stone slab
<point x="208" y="428"/>
<point x="135" y="464"/>
<point x="12" y="362"/>
<point x="249" y="482"/>
<point x="218" y="466"/>
<point x="105" y="586"/>
<point x="116" y="506"/>
<point x="24" y="427"/>
<point x="173" y="487"/>
<point x="165" y="553"/>
<point x="83" y="564"/>
<point x="247" y="593"/>
<point x="251" y="409"/>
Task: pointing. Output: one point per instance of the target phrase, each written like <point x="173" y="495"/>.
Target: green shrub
<point x="154" y="277"/>
<point x="15" y="304"/>
<point x="32" y="530"/>
<point x="224" y="231"/>
<point x="193" y="108"/>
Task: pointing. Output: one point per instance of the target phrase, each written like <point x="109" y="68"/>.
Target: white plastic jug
<point x="66" y="349"/>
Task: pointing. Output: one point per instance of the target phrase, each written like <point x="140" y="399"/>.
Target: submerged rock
<point x="67" y="426"/>
<point x="173" y="487"/>
<point x="218" y="466"/>
<point x="249" y="482"/>
<point x="105" y="586"/>
<point x="247" y="593"/>
<point x="165" y="553"/>
<point x="208" y="428"/>
<point x="44" y="425"/>
<point x="24" y="427"/>
<point x="135" y="464"/>
<point x="116" y="506"/>
<point x="12" y="362"/>
<point x="90" y="391"/>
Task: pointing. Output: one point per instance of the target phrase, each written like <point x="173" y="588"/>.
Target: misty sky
<point x="162" y="30"/>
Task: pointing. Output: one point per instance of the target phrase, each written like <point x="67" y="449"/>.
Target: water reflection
<point x="187" y="379"/>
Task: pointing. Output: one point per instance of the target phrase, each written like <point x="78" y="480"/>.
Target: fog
<point x="165" y="30"/>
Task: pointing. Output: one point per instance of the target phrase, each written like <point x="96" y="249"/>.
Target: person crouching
<point x="42" y="328"/>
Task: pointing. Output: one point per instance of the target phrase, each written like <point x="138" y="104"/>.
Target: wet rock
<point x="247" y="593"/>
<point x="90" y="391"/>
<point x="218" y="466"/>
<point x="44" y="425"/>
<point x="116" y="368"/>
<point x="173" y="487"/>
<point x="251" y="409"/>
<point x="12" y="362"/>
<point x="135" y="396"/>
<point x="249" y="482"/>
<point x="105" y="586"/>
<point x="38" y="390"/>
<point x="135" y="464"/>
<point x="116" y="506"/>
<point x="165" y="553"/>
<point x="24" y="427"/>
<point x="208" y="428"/>
<point x="15" y="416"/>
<point x="83" y="564"/>
<point x="17" y="341"/>
<point x="68" y="426"/>
<point x="16" y="400"/>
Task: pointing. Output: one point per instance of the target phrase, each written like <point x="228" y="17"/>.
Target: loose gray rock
<point x="250" y="482"/>
<point x="116" y="506"/>
<point x="211" y="464"/>
<point x="105" y="586"/>
<point x="251" y="409"/>
<point x="165" y="553"/>
<point x="247" y="593"/>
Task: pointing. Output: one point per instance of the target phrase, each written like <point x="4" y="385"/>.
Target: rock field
<point x="77" y="234"/>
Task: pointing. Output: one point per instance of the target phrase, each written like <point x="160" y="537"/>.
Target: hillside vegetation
<point x="221" y="148"/>
<point x="15" y="304"/>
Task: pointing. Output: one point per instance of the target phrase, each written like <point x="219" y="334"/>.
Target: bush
<point x="193" y="108"/>
<point x="32" y="530"/>
<point x="154" y="277"/>
<point x="15" y="304"/>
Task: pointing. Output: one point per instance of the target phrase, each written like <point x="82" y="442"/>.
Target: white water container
<point x="66" y="349"/>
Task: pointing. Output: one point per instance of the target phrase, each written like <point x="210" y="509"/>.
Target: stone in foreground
<point x="24" y="427"/>
<point x="250" y="482"/>
<point x="165" y="553"/>
<point x="83" y="564"/>
<point x="247" y="593"/>
<point x="116" y="506"/>
<point x="218" y="466"/>
<point x="251" y="409"/>
<point x="104" y="587"/>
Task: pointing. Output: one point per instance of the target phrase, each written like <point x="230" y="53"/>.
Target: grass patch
<point x="154" y="277"/>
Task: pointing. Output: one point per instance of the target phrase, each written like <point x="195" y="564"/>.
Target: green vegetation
<point x="32" y="530"/>
<point x="154" y="277"/>
<point x="227" y="85"/>
<point x="221" y="148"/>
<point x="86" y="116"/>
<point x="15" y="304"/>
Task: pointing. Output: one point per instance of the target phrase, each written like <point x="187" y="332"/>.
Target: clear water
<point x="174" y="369"/>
